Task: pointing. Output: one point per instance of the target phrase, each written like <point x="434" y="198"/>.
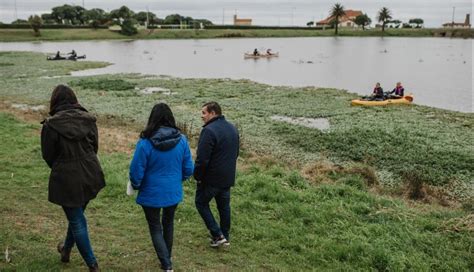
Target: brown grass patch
<point x="460" y="224"/>
<point x="115" y="134"/>
<point x="318" y="172"/>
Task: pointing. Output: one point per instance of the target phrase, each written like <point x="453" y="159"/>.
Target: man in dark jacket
<point x="214" y="170"/>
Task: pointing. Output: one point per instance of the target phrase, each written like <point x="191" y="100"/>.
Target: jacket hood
<point x="73" y="124"/>
<point x="165" y="138"/>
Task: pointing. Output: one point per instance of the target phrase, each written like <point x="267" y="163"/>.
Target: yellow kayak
<point x="407" y="99"/>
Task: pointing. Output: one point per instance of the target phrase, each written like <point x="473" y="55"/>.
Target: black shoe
<point x="218" y="241"/>
<point x="166" y="269"/>
<point x="65" y="253"/>
<point x="94" y="268"/>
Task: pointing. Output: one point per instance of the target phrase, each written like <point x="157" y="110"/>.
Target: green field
<point x="389" y="193"/>
<point x="15" y="35"/>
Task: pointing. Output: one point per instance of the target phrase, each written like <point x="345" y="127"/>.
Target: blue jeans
<point x="204" y="195"/>
<point x="77" y="233"/>
<point x="161" y="232"/>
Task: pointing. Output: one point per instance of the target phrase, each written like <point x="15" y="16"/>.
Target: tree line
<point x="384" y="17"/>
<point x="123" y="16"/>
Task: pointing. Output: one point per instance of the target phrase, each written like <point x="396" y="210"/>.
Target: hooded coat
<point x="69" y="144"/>
<point x="159" y="166"/>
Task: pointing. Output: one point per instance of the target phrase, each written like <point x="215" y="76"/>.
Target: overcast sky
<point x="263" y="12"/>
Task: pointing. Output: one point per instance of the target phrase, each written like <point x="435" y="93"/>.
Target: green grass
<point x="280" y="222"/>
<point x="15" y="35"/>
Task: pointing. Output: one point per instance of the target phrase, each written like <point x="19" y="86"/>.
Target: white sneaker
<point x="218" y="241"/>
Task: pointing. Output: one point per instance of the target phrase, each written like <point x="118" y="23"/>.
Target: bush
<point x="128" y="27"/>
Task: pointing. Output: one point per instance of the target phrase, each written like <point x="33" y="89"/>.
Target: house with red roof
<point x="344" y="21"/>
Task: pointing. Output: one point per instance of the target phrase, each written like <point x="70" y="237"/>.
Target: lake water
<point x="438" y="71"/>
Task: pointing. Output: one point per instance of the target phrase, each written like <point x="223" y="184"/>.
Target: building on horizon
<point x="238" y="21"/>
<point x="466" y="24"/>
<point x="344" y="21"/>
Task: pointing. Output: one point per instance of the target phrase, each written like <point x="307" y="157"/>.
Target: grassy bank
<point x="306" y="199"/>
<point x="15" y="35"/>
<point x="281" y="222"/>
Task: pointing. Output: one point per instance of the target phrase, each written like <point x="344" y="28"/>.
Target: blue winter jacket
<point x="159" y="166"/>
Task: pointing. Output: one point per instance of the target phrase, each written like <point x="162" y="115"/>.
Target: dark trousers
<point x="77" y="233"/>
<point x="161" y="232"/>
<point x="204" y="195"/>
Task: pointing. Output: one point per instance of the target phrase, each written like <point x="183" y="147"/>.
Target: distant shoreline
<point x="20" y="35"/>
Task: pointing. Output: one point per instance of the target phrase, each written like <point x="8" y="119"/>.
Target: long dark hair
<point x="160" y="116"/>
<point x="62" y="96"/>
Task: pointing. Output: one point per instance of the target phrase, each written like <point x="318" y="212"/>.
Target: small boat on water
<point x="65" y="58"/>
<point x="407" y="99"/>
<point x="252" y="56"/>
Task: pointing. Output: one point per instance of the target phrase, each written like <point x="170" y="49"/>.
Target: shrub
<point x="128" y="27"/>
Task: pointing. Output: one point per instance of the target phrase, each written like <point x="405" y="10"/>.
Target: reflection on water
<point x="438" y="71"/>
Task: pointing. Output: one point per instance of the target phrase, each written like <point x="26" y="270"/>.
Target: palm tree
<point x="383" y="16"/>
<point x="337" y="11"/>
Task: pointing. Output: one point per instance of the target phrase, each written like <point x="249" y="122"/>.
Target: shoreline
<point x="18" y="35"/>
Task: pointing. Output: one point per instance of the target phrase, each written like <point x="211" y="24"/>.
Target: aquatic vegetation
<point x="103" y="84"/>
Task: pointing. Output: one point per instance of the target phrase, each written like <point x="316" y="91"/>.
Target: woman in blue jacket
<point x="162" y="160"/>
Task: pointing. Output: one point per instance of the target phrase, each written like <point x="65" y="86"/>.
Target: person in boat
<point x="398" y="92"/>
<point x="255" y="52"/>
<point x="58" y="55"/>
<point x="377" y="94"/>
<point x="72" y="54"/>
<point x="269" y="52"/>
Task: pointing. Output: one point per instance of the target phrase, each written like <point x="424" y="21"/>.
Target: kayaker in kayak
<point x="73" y="54"/>
<point x="255" y="52"/>
<point x="58" y="55"/>
<point x="269" y="52"/>
<point x="396" y="93"/>
<point x="377" y="94"/>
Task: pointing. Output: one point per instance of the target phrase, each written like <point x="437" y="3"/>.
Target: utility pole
<point x="452" y="25"/>
<point x="292" y="16"/>
<point x="147" y="19"/>
<point x="223" y="14"/>
<point x="16" y="13"/>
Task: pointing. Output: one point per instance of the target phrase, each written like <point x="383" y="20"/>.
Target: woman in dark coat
<point x="69" y="144"/>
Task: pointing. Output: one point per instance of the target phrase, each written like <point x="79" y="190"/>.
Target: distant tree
<point x="363" y="20"/>
<point x="36" y="22"/>
<point x="337" y="11"/>
<point x="205" y="22"/>
<point x="48" y="18"/>
<point x="94" y="24"/>
<point x="79" y="17"/>
<point x="395" y="23"/>
<point x="384" y="16"/>
<point x="310" y="23"/>
<point x="20" y="22"/>
<point x="173" y="19"/>
<point x="142" y="17"/>
<point x="64" y="14"/>
<point x="96" y="14"/>
<point x="122" y="13"/>
<point x="157" y="21"/>
<point x="128" y="27"/>
<point x="417" y="21"/>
